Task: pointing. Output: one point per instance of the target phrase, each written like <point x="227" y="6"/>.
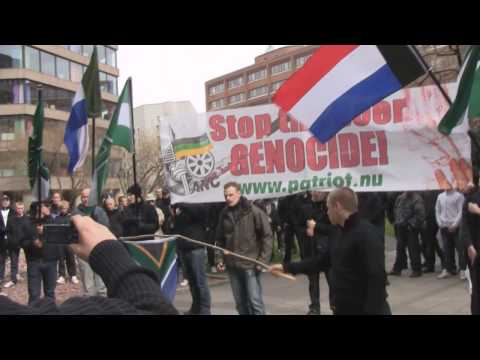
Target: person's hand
<point x="275" y="268"/>
<point x="258" y="268"/>
<point x="90" y="234"/>
<point x="311" y="223"/>
<point x="37" y="243"/>
<point x="221" y="267"/>
<point x="452" y="229"/>
<point x="310" y="232"/>
<point x="472" y="254"/>
<point x="473" y="208"/>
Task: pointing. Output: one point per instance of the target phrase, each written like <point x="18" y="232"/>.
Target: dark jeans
<point x="247" y="291"/>
<point x="475" y="278"/>
<point x="38" y="271"/>
<point x="288" y="241"/>
<point x="451" y="241"/>
<point x="407" y="237"/>
<point x="68" y="257"/>
<point x="194" y="267"/>
<point x="13" y="254"/>
<point x="430" y="244"/>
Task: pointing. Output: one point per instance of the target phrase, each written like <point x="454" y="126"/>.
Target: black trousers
<point x="407" y="238"/>
<point x="67" y="256"/>
<point x="430" y="244"/>
<point x="288" y="240"/>
<point x="307" y="249"/>
<point x="451" y="241"/>
<point x="14" y="254"/>
<point x="475" y="278"/>
<point x="211" y="252"/>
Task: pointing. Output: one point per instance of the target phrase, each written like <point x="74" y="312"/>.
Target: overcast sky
<point x="178" y="72"/>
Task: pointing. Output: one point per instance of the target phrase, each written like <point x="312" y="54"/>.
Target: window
<point x="76" y="72"/>
<point x="11" y="92"/>
<point x="111" y="58"/>
<point x="47" y="63"/>
<point x="234" y="83"/>
<point x="218" y="104"/>
<point x="300" y="61"/>
<point x="103" y="82"/>
<point x="107" y="110"/>
<point x="54" y="98"/>
<point x="280" y="68"/>
<point x="101" y="54"/>
<point x="76" y="48"/>
<point x="63" y="70"/>
<point x="260" y="91"/>
<point x="32" y="58"/>
<point x="217" y="89"/>
<point x="258" y="75"/>
<point x="275" y="86"/>
<point x="87" y="50"/>
<point x="63" y="100"/>
<point x="7" y="128"/>
<point x="112" y="84"/>
<point x="10" y="56"/>
<point x="235" y="99"/>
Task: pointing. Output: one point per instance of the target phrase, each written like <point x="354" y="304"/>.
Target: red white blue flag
<point x="339" y="82"/>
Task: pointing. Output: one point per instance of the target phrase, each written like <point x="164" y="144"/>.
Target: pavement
<point x="425" y="295"/>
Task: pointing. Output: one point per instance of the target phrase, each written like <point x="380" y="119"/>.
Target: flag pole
<point x="39" y="164"/>
<point x="134" y="152"/>
<point x="431" y="74"/>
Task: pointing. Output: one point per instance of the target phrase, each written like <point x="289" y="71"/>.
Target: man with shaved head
<point x="353" y="256"/>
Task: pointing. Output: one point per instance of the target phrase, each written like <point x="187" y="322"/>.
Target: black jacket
<point x="190" y="221"/>
<point x="164" y="205"/>
<point x="273" y="216"/>
<point x="23" y="231"/>
<point x="470" y="222"/>
<point x="372" y="207"/>
<point x="116" y="218"/>
<point x="47" y="252"/>
<point x="131" y="290"/>
<point x="6" y="232"/>
<point x="354" y="256"/>
<point x="145" y="224"/>
<point x="316" y="211"/>
<point x="244" y="229"/>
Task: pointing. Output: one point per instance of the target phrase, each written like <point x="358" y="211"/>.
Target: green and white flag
<point x="36" y="166"/>
<point x="119" y="133"/>
<point x="467" y="100"/>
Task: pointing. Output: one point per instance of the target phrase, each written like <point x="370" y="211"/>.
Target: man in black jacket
<point x="190" y="221"/>
<point x="6" y="232"/>
<point x="131" y="289"/>
<point x="66" y="263"/>
<point x="20" y="225"/>
<point x="42" y="259"/>
<point x="354" y="256"/>
<point x="315" y="228"/>
<point x="162" y="202"/>
<point x="139" y="218"/>
<point x="115" y="217"/>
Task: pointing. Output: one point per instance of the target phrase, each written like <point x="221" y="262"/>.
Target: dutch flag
<point x="339" y="82"/>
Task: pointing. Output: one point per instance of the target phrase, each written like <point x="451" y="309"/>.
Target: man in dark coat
<point x="354" y="256"/>
<point x="140" y="218"/>
<point x="6" y="232"/>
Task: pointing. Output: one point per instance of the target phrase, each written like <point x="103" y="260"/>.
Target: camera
<point x="60" y="234"/>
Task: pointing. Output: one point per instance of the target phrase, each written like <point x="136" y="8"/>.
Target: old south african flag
<point x="191" y="146"/>
<point x="159" y="256"/>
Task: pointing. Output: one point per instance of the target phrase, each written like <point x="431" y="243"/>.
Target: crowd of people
<point x="340" y="234"/>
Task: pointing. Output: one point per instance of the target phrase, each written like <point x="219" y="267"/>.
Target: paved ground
<point x="424" y="295"/>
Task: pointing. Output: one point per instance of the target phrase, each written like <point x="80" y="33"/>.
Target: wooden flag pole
<point x="225" y="252"/>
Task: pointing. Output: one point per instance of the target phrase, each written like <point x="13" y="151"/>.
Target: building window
<point x="234" y="83"/>
<point x="257" y="75"/>
<point x="76" y="72"/>
<point x="7" y="128"/>
<point x="102" y="58"/>
<point x="11" y="92"/>
<point x="63" y="68"/>
<point x="300" y="61"/>
<point x="54" y="98"/>
<point x="10" y="56"/>
<point x="280" y="68"/>
<point x="76" y="48"/>
<point x="235" y="99"/>
<point x="275" y="86"/>
<point x="112" y="84"/>
<point x="217" y="104"/>
<point x="32" y="59"/>
<point x="107" y="110"/>
<point x="217" y="89"/>
<point x="87" y="50"/>
<point x="260" y="91"/>
<point x="47" y="63"/>
<point x="111" y="58"/>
